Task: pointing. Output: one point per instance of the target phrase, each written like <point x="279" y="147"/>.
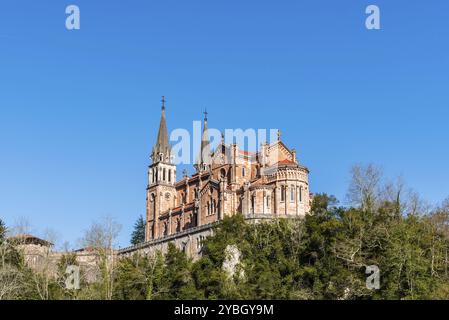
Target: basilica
<point x="267" y="184"/>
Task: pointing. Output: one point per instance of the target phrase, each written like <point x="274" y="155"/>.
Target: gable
<point x="279" y="152"/>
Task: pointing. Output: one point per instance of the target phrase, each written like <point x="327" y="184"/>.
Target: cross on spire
<point x="163" y="102"/>
<point x="162" y="145"/>
<point x="205" y="114"/>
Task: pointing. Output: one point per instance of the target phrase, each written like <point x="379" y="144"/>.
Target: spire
<point x="162" y="145"/>
<point x="204" y="157"/>
<point x="205" y="148"/>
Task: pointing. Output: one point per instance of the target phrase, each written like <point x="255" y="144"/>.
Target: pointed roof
<point x="162" y="145"/>
<point x="204" y="156"/>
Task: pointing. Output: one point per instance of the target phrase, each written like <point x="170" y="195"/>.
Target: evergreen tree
<point x="176" y="281"/>
<point x="138" y="235"/>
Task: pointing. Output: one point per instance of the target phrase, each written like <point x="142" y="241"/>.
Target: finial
<point x="184" y="173"/>
<point x="222" y="138"/>
<point x="279" y="135"/>
<point x="163" y="103"/>
<point x="205" y="114"/>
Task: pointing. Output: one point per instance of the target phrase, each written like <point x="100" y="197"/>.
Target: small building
<point x="36" y="251"/>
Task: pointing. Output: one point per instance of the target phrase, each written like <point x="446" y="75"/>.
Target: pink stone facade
<point x="270" y="183"/>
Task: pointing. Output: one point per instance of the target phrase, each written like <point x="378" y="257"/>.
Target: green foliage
<point x="156" y="277"/>
<point x="323" y="256"/>
<point x="139" y="277"/>
<point x="58" y="290"/>
<point x="176" y="279"/>
<point x="138" y="235"/>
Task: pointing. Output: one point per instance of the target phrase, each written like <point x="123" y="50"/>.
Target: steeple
<point x="162" y="147"/>
<point x="161" y="189"/>
<point x="204" y="156"/>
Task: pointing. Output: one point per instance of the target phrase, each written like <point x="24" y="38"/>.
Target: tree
<point x="21" y="226"/>
<point x="139" y="277"/>
<point x="43" y="275"/>
<point x="364" y="186"/>
<point x="2" y="230"/>
<point x="138" y="235"/>
<point x="322" y="203"/>
<point x="176" y="281"/>
<point x="268" y="266"/>
<point x="100" y="238"/>
<point x="58" y="288"/>
<point x="10" y="277"/>
<point x="15" y="280"/>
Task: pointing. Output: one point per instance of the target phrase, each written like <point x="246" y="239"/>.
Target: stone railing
<point x="166" y="238"/>
<point x="174" y="236"/>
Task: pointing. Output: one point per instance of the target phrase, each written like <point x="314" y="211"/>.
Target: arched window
<point x="169" y="175"/>
<point x="222" y="173"/>
<point x="165" y="228"/>
<point x="292" y="193"/>
<point x="208" y="208"/>
<point x="243" y="171"/>
<point x="215" y="206"/>
<point x="163" y="175"/>
<point x="282" y="193"/>
<point x="268" y="201"/>
<point x="300" y="194"/>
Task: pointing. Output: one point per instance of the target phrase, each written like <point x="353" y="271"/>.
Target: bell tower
<point x="161" y="190"/>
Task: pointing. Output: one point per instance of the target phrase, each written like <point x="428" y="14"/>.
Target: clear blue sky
<point x="79" y="110"/>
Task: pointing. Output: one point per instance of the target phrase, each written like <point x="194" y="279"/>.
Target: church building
<point x="267" y="184"/>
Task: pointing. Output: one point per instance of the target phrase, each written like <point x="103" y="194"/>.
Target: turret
<point x="203" y="162"/>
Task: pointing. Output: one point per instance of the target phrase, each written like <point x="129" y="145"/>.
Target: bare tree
<point x="415" y="205"/>
<point x="438" y="221"/>
<point x="10" y="282"/>
<point x="21" y="226"/>
<point x="45" y="269"/>
<point x="100" y="238"/>
<point x="66" y="247"/>
<point x="364" y="186"/>
<point x="394" y="193"/>
<point x="10" y="275"/>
